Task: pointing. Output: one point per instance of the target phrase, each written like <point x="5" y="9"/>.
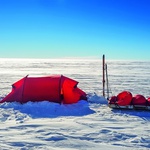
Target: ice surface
<point x="88" y="125"/>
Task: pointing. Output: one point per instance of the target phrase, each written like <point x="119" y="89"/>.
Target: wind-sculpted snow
<point x="86" y="125"/>
<point x="49" y="110"/>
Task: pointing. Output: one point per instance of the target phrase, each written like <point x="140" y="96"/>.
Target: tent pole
<point x="103" y="69"/>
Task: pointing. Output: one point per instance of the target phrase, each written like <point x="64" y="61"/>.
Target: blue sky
<point x="120" y="29"/>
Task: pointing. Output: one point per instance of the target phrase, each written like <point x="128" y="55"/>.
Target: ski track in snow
<point x="88" y="125"/>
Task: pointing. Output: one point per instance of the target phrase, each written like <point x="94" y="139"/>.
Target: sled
<point x="125" y="99"/>
<point x="130" y="107"/>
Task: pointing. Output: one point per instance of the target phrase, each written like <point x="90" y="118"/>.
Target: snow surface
<point x="86" y="125"/>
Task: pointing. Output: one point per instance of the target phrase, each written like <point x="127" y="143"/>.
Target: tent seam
<point x="23" y="89"/>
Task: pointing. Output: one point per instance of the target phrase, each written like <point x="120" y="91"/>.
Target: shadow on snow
<point x="144" y="114"/>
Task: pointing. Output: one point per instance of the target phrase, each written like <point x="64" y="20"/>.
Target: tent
<point x="54" y="88"/>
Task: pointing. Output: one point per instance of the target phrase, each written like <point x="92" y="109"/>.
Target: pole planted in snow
<point x="103" y="70"/>
<point x="107" y="82"/>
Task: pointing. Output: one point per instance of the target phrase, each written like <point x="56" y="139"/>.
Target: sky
<point x="120" y="29"/>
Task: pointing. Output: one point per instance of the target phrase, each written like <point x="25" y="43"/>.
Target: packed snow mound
<point x="94" y="98"/>
<point x="47" y="109"/>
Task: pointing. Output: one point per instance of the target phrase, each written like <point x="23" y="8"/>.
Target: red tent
<point x="55" y="88"/>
